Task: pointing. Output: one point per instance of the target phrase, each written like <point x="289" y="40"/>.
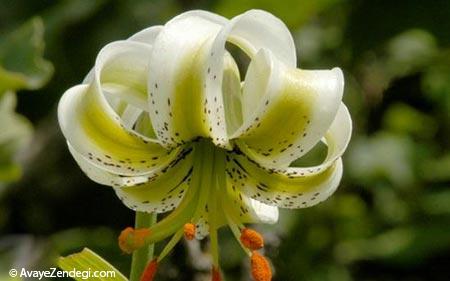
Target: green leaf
<point x="65" y="13"/>
<point x="402" y="118"/>
<point x="87" y="260"/>
<point x="436" y="203"/>
<point x="402" y="245"/>
<point x="21" y="62"/>
<point x="410" y="51"/>
<point x="383" y="156"/>
<point x="15" y="134"/>
<point x="21" y="67"/>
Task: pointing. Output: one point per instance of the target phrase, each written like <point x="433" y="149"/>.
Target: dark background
<point x="390" y="218"/>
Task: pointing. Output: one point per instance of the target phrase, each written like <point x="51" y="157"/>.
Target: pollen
<point x="216" y="274"/>
<point x="189" y="231"/>
<point x="131" y="239"/>
<point x="260" y="267"/>
<point x="251" y="239"/>
<point x="150" y="271"/>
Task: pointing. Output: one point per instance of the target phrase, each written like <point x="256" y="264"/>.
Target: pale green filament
<point x="172" y="243"/>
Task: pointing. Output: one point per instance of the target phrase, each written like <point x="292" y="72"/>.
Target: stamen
<point x="260" y="267"/>
<point x="172" y="243"/>
<point x="251" y="239"/>
<point x="131" y="239"/>
<point x="189" y="231"/>
<point x="214" y="244"/>
<point x="236" y="230"/>
<point x="150" y="271"/>
<point x="215" y="273"/>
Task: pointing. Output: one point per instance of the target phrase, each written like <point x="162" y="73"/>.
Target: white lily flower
<point x="165" y="119"/>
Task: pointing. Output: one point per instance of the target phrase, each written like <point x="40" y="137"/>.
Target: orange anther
<point x="251" y="239"/>
<point x="131" y="239"/>
<point x="150" y="271"/>
<point x="216" y="274"/>
<point x="189" y="231"/>
<point x="260" y="268"/>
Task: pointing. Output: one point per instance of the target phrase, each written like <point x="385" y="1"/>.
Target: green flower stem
<point x="145" y="254"/>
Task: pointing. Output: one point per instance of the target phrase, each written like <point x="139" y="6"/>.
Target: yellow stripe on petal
<point x="182" y="105"/>
<point x="294" y="187"/>
<point x="286" y="111"/>
<point x="107" y="133"/>
<point x="186" y="107"/>
<point x="232" y="94"/>
<point x="251" y="32"/>
<point x="95" y="131"/>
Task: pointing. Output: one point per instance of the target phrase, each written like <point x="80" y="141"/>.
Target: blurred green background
<point x="390" y="218"/>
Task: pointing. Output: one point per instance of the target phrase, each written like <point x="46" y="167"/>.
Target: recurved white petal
<point x="164" y="189"/>
<point x="121" y="70"/>
<point x="232" y="94"/>
<point x="101" y="176"/>
<point x="148" y="35"/>
<point x="183" y="106"/>
<point x="95" y="131"/>
<point x="294" y="187"/>
<point x="159" y="192"/>
<point x="263" y="213"/>
<point x="255" y="30"/>
<point x="251" y="31"/>
<point x="282" y="188"/>
<point x="237" y="204"/>
<point x="286" y="111"/>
